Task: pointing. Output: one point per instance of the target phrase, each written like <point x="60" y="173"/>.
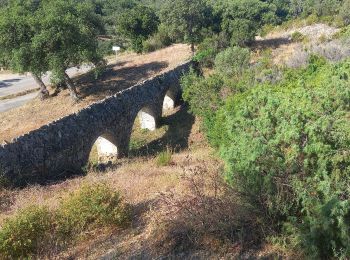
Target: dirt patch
<point x="127" y="71"/>
<point x="294" y="54"/>
<point x="314" y="31"/>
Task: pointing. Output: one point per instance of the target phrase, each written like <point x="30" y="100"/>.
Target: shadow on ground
<point x="270" y="43"/>
<point x="117" y="77"/>
<point x="176" y="138"/>
<point x="8" y="82"/>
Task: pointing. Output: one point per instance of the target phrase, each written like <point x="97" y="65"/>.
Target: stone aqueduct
<point x="63" y="146"/>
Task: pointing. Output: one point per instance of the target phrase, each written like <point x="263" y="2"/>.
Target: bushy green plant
<point x="202" y="94"/>
<point x="159" y="40"/>
<point x="90" y="207"/>
<point x="345" y="12"/>
<point x="209" y="48"/>
<point x="26" y="234"/>
<point x="138" y="24"/>
<point x="297" y="36"/>
<point x="287" y="148"/>
<point x="187" y="19"/>
<point x="34" y="230"/>
<point x="233" y="61"/>
<point x="164" y="157"/>
<point x="100" y="69"/>
<point x="105" y="48"/>
<point x="242" y="31"/>
<point x="242" y="19"/>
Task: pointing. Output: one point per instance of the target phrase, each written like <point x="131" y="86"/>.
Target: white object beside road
<point x="116" y="49"/>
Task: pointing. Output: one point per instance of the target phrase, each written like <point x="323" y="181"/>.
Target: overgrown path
<point x="127" y="71"/>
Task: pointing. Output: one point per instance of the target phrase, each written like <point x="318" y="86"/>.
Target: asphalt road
<point x="14" y="84"/>
<point x="8" y="104"/>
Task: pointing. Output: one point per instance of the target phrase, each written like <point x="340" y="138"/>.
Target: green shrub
<point x="88" y="208"/>
<point x="35" y="231"/>
<point x="242" y="19"/>
<point x="164" y="158"/>
<point x="232" y="62"/>
<point x="137" y="25"/>
<point x="242" y="31"/>
<point x="26" y="234"/>
<point x="345" y="12"/>
<point x="202" y="94"/>
<point x="343" y="34"/>
<point x="297" y="37"/>
<point x="287" y="148"/>
<point x="266" y="29"/>
<point x="209" y="48"/>
<point x="205" y="57"/>
<point x="105" y="48"/>
<point x="323" y="38"/>
<point x="100" y="69"/>
<point x="159" y="40"/>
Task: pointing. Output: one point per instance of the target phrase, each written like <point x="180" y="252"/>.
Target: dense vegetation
<point x="46" y="36"/>
<point x="284" y="136"/>
<point x="143" y="25"/>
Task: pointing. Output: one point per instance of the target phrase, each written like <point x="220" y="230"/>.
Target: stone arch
<point x="106" y="147"/>
<point x="149" y="117"/>
<point x="171" y="97"/>
<point x="169" y="101"/>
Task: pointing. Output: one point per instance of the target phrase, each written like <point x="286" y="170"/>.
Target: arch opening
<point x="147" y="119"/>
<point x="104" y="150"/>
<point x="169" y="101"/>
<point x="143" y="141"/>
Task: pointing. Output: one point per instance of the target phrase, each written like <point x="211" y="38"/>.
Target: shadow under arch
<point x="176" y="137"/>
<point x="149" y="117"/>
<point x="105" y="148"/>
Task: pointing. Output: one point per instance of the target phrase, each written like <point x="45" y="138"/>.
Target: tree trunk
<point x="192" y="48"/>
<point x="71" y="87"/>
<point x="44" y="93"/>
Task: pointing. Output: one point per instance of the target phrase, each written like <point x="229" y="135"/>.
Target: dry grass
<point x="129" y="70"/>
<point x="19" y="94"/>
<point x="138" y="178"/>
<point x="207" y="213"/>
<point x="186" y="201"/>
<point x="284" y="51"/>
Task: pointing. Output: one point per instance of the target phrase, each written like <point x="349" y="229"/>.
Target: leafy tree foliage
<point x="20" y="52"/>
<point x="242" y="19"/>
<point x="233" y="61"/>
<point x="187" y="18"/>
<point x="318" y="7"/>
<point x="68" y="36"/>
<point x="138" y="24"/>
<point x="345" y="12"/>
<point x="3" y="3"/>
<point x="38" y="36"/>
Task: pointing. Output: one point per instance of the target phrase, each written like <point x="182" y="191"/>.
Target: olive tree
<point x="137" y="24"/>
<point x="19" y="51"/>
<point x="48" y="35"/>
<point x="242" y="19"/>
<point x="68" y="37"/>
<point x="186" y="18"/>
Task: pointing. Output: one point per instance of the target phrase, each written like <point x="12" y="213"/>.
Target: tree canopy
<point x="20" y="51"/>
<point x="138" y="24"/>
<point x="41" y="36"/>
<point x="187" y="18"/>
